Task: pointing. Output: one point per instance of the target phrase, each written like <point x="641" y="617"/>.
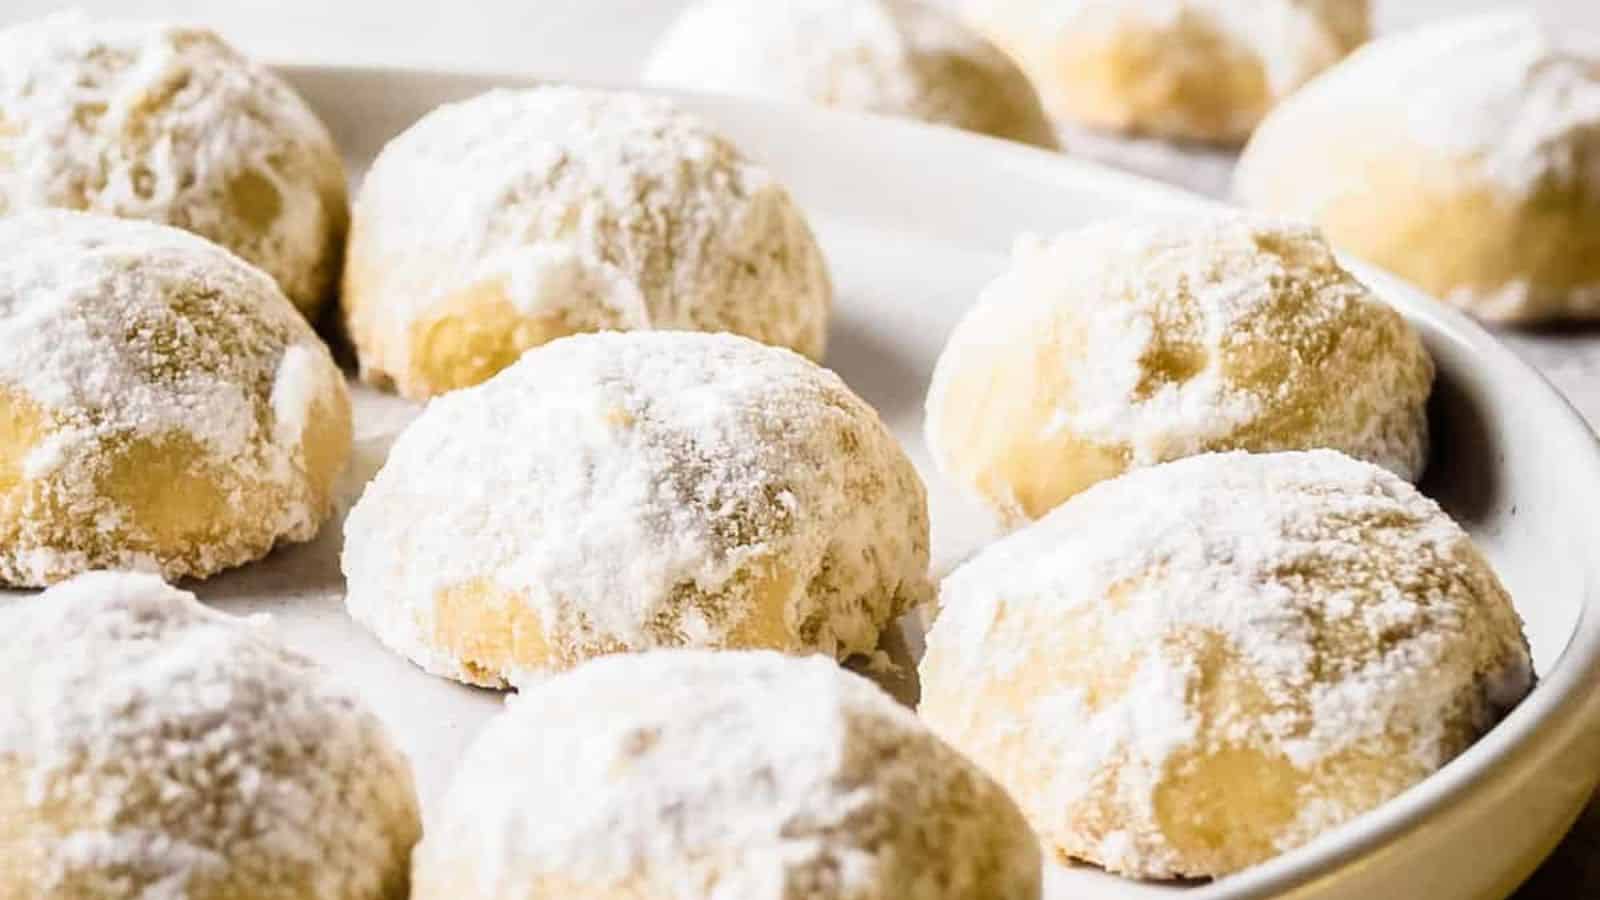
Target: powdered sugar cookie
<point x="1464" y="156"/>
<point x="630" y="491"/>
<point x="1193" y="667"/>
<point x="748" y="775"/>
<point x="1198" y="69"/>
<point x="171" y="125"/>
<point x="1139" y="341"/>
<point x="517" y="217"/>
<point x="896" y="57"/>
<point x="154" y="748"/>
<point x="162" y="405"/>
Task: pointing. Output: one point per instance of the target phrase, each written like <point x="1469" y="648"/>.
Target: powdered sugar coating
<point x="626" y="491"/>
<point x="728" y="776"/>
<point x="171" y="125"/>
<point x="896" y="57"/>
<point x="162" y="405"/>
<point x="1196" y="69"/>
<point x="504" y="221"/>
<point x="1464" y="156"/>
<point x="1139" y="341"/>
<point x="1518" y="94"/>
<point x="1193" y="667"/>
<point x="163" y="751"/>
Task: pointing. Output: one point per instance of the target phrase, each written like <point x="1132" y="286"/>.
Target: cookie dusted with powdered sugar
<point x="894" y="57"/>
<point x="630" y="491"/>
<point x="1464" y="156"/>
<point x="163" y="407"/>
<point x="1194" y="69"/>
<point x="1193" y="667"/>
<point x="152" y="748"/>
<point x="171" y="125"/>
<point x="505" y="221"/>
<point x="1139" y="341"/>
<point x="747" y="776"/>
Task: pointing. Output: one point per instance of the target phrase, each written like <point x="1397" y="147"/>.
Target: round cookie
<point x="895" y="57"/>
<point x="160" y="749"/>
<point x="1189" y="669"/>
<point x="163" y="407"/>
<point x="629" y="491"/>
<point x="1204" y="70"/>
<point x="739" y="775"/>
<point x="171" y="125"/>
<point x="517" y="217"/>
<point x="1464" y="156"/>
<point x="1135" y="342"/>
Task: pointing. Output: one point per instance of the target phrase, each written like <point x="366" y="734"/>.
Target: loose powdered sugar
<point x="659" y="221"/>
<point x="170" y="125"/>
<point x="156" y="749"/>
<point x="640" y="490"/>
<point x="898" y="57"/>
<point x="119" y="331"/>
<point x="730" y="776"/>
<point x="1083" y="658"/>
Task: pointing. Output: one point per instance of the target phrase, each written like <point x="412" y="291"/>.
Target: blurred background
<point x="600" y="40"/>
<point x="607" y="41"/>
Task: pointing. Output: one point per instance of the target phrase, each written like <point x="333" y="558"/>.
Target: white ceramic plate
<point x="914" y="220"/>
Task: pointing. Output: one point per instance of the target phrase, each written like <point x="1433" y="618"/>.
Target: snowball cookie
<point x="1195" y="666"/>
<point x="897" y="57"/>
<point x="1140" y="341"/>
<point x="517" y="217"/>
<point x="162" y="406"/>
<point x="172" y="125"/>
<point x="693" y="775"/>
<point x="627" y="491"/>
<point x="159" y="749"/>
<point x="1202" y="70"/>
<point x="1464" y="156"/>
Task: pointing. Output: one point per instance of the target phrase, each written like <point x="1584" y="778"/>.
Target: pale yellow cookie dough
<point x="171" y="125"/>
<point x="517" y="217"/>
<point x="630" y="491"/>
<point x="682" y="774"/>
<point x="163" y="407"/>
<point x="152" y="748"/>
<point x="1138" y="341"/>
<point x="1189" y="669"/>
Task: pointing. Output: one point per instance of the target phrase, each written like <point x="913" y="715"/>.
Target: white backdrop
<point x="601" y="40"/>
